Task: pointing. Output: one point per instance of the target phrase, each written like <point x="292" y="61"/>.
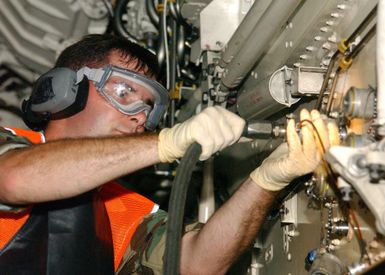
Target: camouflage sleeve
<point x="9" y="141"/>
<point x="145" y="254"/>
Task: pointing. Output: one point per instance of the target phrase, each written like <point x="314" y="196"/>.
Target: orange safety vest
<point x="125" y="210"/>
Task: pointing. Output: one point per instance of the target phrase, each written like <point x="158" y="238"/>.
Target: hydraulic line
<point x="380" y="56"/>
<point x="270" y="25"/>
<point x="162" y="44"/>
<point x="176" y="13"/>
<point x="369" y="35"/>
<point x="243" y="32"/>
<point x="176" y="208"/>
<point x="356" y="50"/>
<point x="181" y="38"/>
<point x="173" y="11"/>
<point x="333" y="60"/>
<point x="173" y="64"/>
<point x="117" y="24"/>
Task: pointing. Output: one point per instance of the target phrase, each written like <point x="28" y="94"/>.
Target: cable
<point x="176" y="209"/>
<point x="301" y="124"/>
<point x="166" y="44"/>
<point x="329" y="170"/>
<point x="358" y="233"/>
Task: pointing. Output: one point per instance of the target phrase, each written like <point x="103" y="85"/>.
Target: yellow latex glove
<point x="214" y="129"/>
<point x="295" y="158"/>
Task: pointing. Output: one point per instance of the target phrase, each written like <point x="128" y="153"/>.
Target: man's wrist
<point x="164" y="155"/>
<point x="258" y="178"/>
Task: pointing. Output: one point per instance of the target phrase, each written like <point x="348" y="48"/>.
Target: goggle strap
<point x="95" y="75"/>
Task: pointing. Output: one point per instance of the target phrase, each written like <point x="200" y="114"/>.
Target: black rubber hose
<point x="176" y="208"/>
<point x="117" y="23"/>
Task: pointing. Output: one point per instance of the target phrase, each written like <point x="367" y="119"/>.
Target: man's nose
<point x="139" y="119"/>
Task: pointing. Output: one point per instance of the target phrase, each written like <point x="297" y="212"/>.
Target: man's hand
<point x="214" y="129"/>
<point x="296" y="158"/>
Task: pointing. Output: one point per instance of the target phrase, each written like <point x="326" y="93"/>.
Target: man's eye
<point x="122" y="93"/>
<point x="123" y="90"/>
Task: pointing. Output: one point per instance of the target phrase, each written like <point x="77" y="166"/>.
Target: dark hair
<point x="94" y="49"/>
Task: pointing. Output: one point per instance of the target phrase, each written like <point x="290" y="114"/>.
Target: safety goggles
<point x="129" y="92"/>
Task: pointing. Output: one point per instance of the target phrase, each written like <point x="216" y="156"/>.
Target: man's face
<point x="101" y="118"/>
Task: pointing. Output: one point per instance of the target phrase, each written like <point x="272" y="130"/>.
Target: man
<point x="55" y="193"/>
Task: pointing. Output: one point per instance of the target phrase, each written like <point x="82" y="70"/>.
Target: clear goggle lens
<point x="128" y="95"/>
<point x="129" y="92"/>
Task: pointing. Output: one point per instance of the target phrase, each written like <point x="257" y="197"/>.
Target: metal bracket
<point x="354" y="166"/>
<point x="310" y="80"/>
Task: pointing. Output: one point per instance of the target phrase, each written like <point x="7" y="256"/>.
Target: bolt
<point x="289" y="82"/>
<point x="204" y="74"/>
<point x="284" y="211"/>
<point x="326" y="46"/>
<point x="335" y="15"/>
<point x="334" y="115"/>
<point x="219" y="44"/>
<point x="336" y="242"/>
<point x="289" y="44"/>
<point x="332" y="39"/>
<point x="289" y="25"/>
<point x="361" y="162"/>
<point x="376" y="172"/>
<point x="212" y="93"/>
<point x="289" y="257"/>
<point x="310" y="48"/>
<point x="325" y="62"/>
<point x="211" y="69"/>
<point x="216" y="81"/>
<point x="346" y="193"/>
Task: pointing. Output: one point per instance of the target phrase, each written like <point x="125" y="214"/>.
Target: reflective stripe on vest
<point x="34" y="137"/>
<point x="125" y="210"/>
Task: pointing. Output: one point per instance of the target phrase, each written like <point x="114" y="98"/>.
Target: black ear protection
<point x="56" y="94"/>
